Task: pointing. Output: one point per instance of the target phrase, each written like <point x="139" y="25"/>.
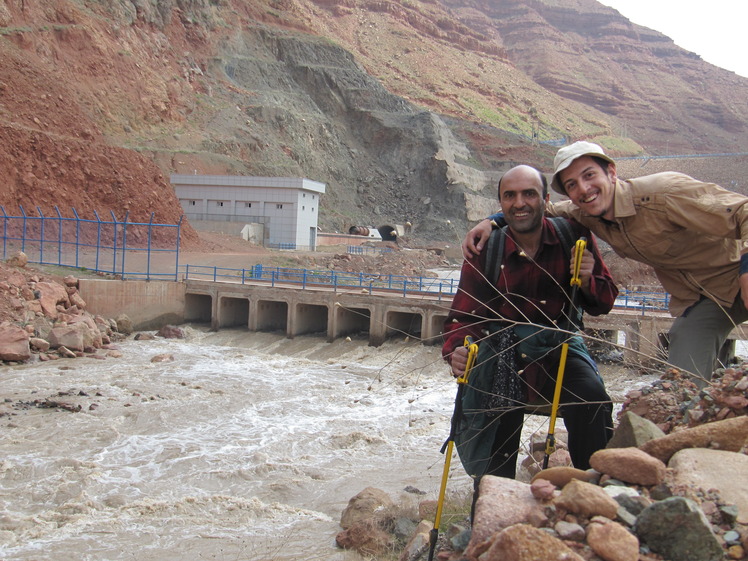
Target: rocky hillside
<point x="406" y="110"/>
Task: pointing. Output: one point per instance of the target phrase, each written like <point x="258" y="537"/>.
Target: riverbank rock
<point x="14" y="343"/>
<point x="714" y="469"/>
<point x="40" y="313"/>
<point x="730" y="435"/>
<point x="680" y="495"/>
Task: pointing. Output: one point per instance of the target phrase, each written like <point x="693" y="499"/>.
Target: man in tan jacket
<point x="694" y="235"/>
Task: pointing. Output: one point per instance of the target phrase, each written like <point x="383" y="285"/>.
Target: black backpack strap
<point x="564" y="233"/>
<point x="495" y="253"/>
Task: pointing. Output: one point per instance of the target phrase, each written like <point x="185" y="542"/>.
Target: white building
<point x="286" y="207"/>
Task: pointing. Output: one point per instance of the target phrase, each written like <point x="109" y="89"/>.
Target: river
<point x="244" y="446"/>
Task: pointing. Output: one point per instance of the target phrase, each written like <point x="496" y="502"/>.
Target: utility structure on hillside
<point x="278" y="212"/>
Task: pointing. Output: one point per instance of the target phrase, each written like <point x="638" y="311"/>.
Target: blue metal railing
<point x="118" y="247"/>
<point x="307" y="278"/>
<point x="367" y="250"/>
<point x="407" y="286"/>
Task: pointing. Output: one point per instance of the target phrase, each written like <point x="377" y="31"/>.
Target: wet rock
<point x="729" y="434"/>
<point x="726" y="472"/>
<point x="611" y="541"/>
<point x="124" y="324"/>
<point x="142" y="336"/>
<point x="171" y="332"/>
<point x="630" y="465"/>
<point x="365" y="506"/>
<point x="164" y="357"/>
<point x="14" y="343"/>
<point x="678" y="530"/>
<point x="522" y="542"/>
<point x="366" y="537"/>
<point x="633" y="430"/>
<point x="586" y="499"/>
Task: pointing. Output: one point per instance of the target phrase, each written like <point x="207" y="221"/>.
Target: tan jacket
<point x="692" y="234"/>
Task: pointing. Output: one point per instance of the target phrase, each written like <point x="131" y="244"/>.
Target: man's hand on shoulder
<point x="476" y="239"/>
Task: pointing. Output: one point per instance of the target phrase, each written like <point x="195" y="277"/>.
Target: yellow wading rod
<point x="461" y="381"/>
<point x="576" y="282"/>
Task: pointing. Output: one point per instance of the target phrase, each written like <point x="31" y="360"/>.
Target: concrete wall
<point x="149" y="304"/>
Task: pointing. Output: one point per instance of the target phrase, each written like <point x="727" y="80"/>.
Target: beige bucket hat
<point x="566" y="155"/>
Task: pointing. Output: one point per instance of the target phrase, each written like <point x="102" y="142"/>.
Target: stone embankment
<point x="672" y="485"/>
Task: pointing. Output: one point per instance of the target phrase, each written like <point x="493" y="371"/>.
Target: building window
<point x="279" y="206"/>
<point x="248" y="205"/>
<point x="219" y="203"/>
<point x="303" y="208"/>
<point x="193" y="203"/>
<point x="303" y="195"/>
<point x="312" y="209"/>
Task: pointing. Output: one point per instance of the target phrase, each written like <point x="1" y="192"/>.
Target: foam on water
<point x="232" y="450"/>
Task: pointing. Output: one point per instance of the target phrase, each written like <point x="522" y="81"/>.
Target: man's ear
<point x="547" y="198"/>
<point x="612" y="172"/>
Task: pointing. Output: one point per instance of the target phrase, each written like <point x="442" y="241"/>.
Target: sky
<point x="714" y="29"/>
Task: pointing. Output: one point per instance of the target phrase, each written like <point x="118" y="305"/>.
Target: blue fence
<point x="307" y="278"/>
<point x="367" y="250"/>
<point x="407" y="286"/>
<point x="117" y="247"/>
<point x="130" y="249"/>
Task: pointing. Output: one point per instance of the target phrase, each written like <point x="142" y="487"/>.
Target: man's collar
<point x="623" y="200"/>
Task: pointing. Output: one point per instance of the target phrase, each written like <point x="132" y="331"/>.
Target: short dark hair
<point x="543" y="182"/>
<point x="602" y="162"/>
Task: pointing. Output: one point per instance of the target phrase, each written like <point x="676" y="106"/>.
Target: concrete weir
<point x="326" y="312"/>
<point x="150" y="304"/>
<point x="331" y="313"/>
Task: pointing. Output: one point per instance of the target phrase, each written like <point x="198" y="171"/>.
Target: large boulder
<point x="14" y="343"/>
<point x="76" y="336"/>
<point x="368" y="504"/>
<point x="730" y="435"/>
<point x="630" y="465"/>
<point x="51" y="294"/>
<point x="714" y="469"/>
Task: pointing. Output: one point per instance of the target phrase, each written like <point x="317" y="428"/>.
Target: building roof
<point x="248" y="181"/>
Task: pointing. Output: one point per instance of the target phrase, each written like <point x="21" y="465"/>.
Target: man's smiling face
<point x="521" y="199"/>
<point x="590" y="186"/>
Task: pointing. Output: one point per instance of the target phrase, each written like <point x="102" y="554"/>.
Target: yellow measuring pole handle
<point x="580" y="246"/>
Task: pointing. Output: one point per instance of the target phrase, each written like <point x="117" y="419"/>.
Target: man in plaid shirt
<point x="510" y="318"/>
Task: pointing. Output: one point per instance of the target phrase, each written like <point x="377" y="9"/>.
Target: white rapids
<point x="245" y="446"/>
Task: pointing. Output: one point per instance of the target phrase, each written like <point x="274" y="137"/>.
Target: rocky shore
<point x="671" y="486"/>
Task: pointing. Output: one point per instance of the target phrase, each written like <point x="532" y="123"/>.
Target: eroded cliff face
<point x="406" y="110"/>
<point x="653" y="90"/>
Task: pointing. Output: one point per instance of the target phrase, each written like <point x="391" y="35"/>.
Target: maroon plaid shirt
<point x="534" y="291"/>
